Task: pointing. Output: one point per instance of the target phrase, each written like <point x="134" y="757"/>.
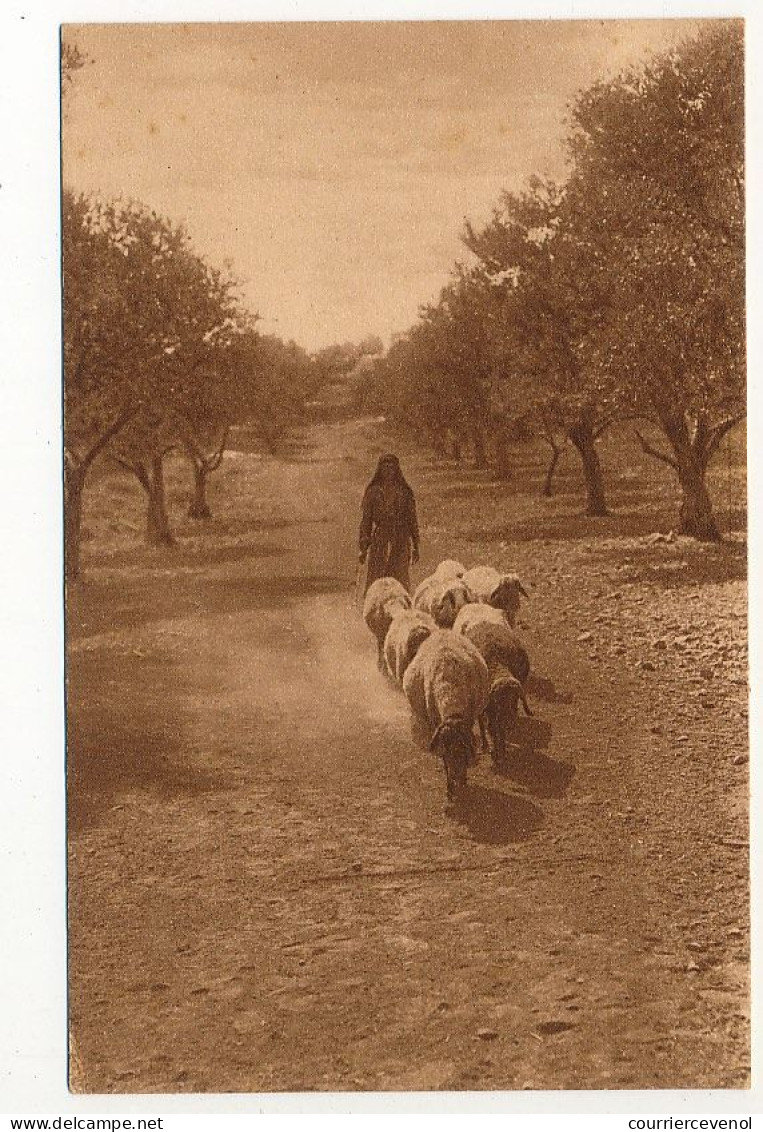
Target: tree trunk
<point x="157" y="522"/>
<point x="438" y="446"/>
<point x="74" y="490"/>
<point x="547" y="483"/>
<point x="690" y="459"/>
<point x="696" y="512"/>
<point x="480" y="455"/>
<point x="695" y="516"/>
<point x="503" y="467"/>
<point x="583" y="438"/>
<point x="199" y="508"/>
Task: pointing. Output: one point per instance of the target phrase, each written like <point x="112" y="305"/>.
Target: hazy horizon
<point x="333" y="164"/>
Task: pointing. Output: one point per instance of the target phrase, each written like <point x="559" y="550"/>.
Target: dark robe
<point x="388" y="530"/>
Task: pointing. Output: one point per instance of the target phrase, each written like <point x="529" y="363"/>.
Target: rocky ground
<point x="267" y="890"/>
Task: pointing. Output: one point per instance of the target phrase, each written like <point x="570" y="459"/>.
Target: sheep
<point x="508" y="667"/>
<point x="489" y="586"/>
<point x="474" y="614"/>
<point x="385" y="599"/>
<point x="450" y="568"/>
<point x="447" y="686"/>
<point x="405" y="636"/>
<point x="442" y="598"/>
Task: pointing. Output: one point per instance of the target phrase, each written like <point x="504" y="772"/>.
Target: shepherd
<point x="389" y="529"/>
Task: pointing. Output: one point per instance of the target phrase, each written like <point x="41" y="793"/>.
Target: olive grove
<point x="618" y="295"/>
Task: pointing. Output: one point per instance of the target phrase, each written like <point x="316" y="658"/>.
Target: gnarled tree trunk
<point x="583" y="437"/>
<point x="157" y="521"/>
<point x="695" y="515"/>
<point x="73" y="493"/>
<point x="556" y="452"/>
<point x="150" y="476"/>
<point x="692" y="451"/>
<point x="199" y="508"/>
<point x="203" y="465"/>
<point x="75" y="474"/>
<point x="691" y="458"/>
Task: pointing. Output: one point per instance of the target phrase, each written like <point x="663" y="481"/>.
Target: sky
<point x="333" y="164"/>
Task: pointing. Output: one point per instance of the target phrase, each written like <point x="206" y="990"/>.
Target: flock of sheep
<point x="454" y="652"/>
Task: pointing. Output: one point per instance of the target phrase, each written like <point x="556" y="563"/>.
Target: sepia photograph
<point x="405" y="553"/>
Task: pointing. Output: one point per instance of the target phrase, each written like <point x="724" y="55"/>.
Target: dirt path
<point x="267" y="892"/>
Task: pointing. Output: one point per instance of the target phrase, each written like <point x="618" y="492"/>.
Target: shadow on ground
<point x="191" y="552"/>
<point x="542" y="688"/>
<point x="684" y="565"/>
<point x="124" y="754"/>
<point x="527" y="765"/>
<point x="91" y="607"/>
<point x="571" y="525"/>
<point x="642" y="498"/>
<point x="495" y="818"/>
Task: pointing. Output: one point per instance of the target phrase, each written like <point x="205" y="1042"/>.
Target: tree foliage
<point x="655" y="213"/>
<point x="273" y="380"/>
<point x="144" y="320"/>
<point x="617" y="294"/>
<point x="143" y="316"/>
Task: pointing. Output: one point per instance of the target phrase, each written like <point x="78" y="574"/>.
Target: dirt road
<point x="266" y="890"/>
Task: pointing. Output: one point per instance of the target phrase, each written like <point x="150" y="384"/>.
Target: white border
<point x="32" y="970"/>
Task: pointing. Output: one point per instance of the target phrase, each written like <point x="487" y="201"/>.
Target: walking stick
<point x="358" y="574"/>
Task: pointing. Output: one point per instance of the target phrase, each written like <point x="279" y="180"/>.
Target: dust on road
<point x="266" y="891"/>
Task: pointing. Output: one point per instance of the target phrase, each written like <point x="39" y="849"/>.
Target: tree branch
<point x="213" y="462"/>
<point x="191" y="448"/>
<point x="195" y="451"/>
<point x="606" y="423"/>
<point x="108" y="435"/>
<point x="718" y="432"/>
<point x="646" y="446"/>
<point x="699" y="434"/>
<point x="138" y="470"/>
<point x="71" y="462"/>
<point x="549" y="439"/>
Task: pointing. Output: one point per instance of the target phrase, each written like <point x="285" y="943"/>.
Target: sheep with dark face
<point x="385" y="599"/>
<point x="447" y="686"/>
<point x="405" y="637"/>
<point x="508" y="667"/>
<point x="502" y="591"/>
<point x="441" y="598"/>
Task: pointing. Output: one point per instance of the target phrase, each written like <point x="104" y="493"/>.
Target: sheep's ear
<point x="522" y="590"/>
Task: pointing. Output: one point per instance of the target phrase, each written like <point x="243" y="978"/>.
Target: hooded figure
<point x="389" y="530"/>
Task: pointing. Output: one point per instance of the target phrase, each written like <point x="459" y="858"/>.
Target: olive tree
<point x="139" y="310"/>
<point x="546" y="312"/>
<point x="654" y="213"/>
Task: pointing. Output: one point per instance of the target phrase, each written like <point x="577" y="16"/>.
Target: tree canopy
<point x="617" y="294"/>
